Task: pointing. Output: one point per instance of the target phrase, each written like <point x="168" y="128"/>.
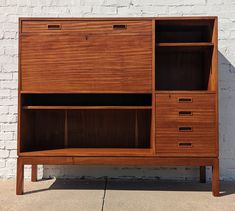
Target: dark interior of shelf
<point x="86" y="100"/>
<point x="57" y="129"/>
<point x="186" y="68"/>
<point x="184" y="31"/>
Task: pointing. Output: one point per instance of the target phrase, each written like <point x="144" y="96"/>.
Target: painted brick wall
<point x="10" y="10"/>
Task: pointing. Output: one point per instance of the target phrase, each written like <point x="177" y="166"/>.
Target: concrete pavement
<point x="115" y="195"/>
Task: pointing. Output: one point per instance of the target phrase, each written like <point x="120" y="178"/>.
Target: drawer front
<point x="182" y="146"/>
<point x="196" y="101"/>
<point x="185" y="124"/>
<point x="86" y="63"/>
<point x="120" y="27"/>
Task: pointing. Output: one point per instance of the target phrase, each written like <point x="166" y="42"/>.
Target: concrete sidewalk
<point x="112" y="195"/>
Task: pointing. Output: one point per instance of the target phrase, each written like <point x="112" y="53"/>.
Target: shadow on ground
<point x="227" y="188"/>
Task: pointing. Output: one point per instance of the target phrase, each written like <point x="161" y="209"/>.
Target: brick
<point x="2" y="163"/>
<point x="104" y="10"/>
<point x="10" y="145"/>
<point x="2" y="144"/>
<point x="4" y="92"/>
<point x="9" y="84"/>
<point x="11" y="163"/>
<point x="5" y="76"/>
<point x="13" y="154"/>
<point x="13" y="109"/>
<point x="6" y="136"/>
<point x="4" y="153"/>
<point x="91" y="2"/>
<point x="9" y="127"/>
<point x="8" y="118"/>
<point x="9" y="68"/>
<point x="119" y="3"/>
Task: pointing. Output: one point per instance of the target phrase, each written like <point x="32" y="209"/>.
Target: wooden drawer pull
<point x="185" y="99"/>
<point x="185" y="113"/>
<point x="119" y="26"/>
<point x="185" y="144"/>
<point x="54" y="26"/>
<point x="185" y="129"/>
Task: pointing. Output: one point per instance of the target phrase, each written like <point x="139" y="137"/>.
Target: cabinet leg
<point x="20" y="177"/>
<point x="202" y="174"/>
<point x="34" y="173"/>
<point x="215" y="177"/>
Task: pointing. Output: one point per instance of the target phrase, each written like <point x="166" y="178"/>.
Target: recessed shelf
<point x="189" y="44"/>
<point x="184" y="31"/>
<point x="184" y="91"/>
<point x="85" y="101"/>
<point x="182" y="67"/>
<point x="86" y="128"/>
<point x="85" y="107"/>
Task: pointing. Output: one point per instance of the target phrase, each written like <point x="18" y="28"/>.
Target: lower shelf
<point x="70" y="152"/>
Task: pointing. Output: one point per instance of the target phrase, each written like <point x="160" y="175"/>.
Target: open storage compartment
<point x="181" y="31"/>
<point x="86" y="100"/>
<point x="183" y="68"/>
<point x="60" y="121"/>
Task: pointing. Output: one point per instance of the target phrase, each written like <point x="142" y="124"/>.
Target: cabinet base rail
<point x="141" y="161"/>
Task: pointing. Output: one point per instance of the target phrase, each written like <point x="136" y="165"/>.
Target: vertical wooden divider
<point x="136" y="129"/>
<point x="66" y="129"/>
<point x="153" y="90"/>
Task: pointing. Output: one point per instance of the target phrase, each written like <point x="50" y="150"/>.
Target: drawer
<point x="196" y="101"/>
<point x="175" y="116"/>
<point x="182" y="146"/>
<point x="185" y="124"/>
<point x="120" y="27"/>
<point x="186" y="130"/>
<point x="174" y="110"/>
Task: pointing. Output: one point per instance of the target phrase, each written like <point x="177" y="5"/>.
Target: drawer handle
<point x="185" y="129"/>
<point x="185" y="144"/>
<point x="185" y="99"/>
<point x="119" y="26"/>
<point x="54" y="26"/>
<point x="185" y="113"/>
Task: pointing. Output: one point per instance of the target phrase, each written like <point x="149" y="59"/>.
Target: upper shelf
<point x="188" y="44"/>
<point x="188" y="31"/>
<point x="86" y="107"/>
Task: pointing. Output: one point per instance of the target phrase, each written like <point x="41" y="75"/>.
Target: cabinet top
<point x="118" y="18"/>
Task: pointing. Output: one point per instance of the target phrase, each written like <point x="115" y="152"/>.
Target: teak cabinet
<point x="118" y="91"/>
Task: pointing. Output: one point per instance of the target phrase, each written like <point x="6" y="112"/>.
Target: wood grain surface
<point x="73" y="62"/>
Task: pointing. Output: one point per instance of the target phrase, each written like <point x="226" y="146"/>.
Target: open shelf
<point x="188" y="31"/>
<point x="80" y="101"/>
<point x="89" y="152"/>
<point x="85" y="128"/>
<point x="187" y="44"/>
<point x="86" y="107"/>
<point x="183" y="68"/>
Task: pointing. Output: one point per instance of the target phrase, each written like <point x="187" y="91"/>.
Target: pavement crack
<point x="103" y="198"/>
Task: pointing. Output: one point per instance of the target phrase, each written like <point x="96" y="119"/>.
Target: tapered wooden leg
<point x="202" y="174"/>
<point x="20" y="177"/>
<point x="215" y="177"/>
<point x="34" y="173"/>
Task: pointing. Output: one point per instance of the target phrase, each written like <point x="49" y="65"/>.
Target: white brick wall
<point x="10" y="10"/>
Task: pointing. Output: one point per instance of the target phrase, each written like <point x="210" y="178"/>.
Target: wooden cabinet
<point x="118" y="91"/>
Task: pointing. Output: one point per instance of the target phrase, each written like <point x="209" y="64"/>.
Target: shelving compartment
<point x="182" y="31"/>
<point x="183" y="68"/>
<point x="97" y="121"/>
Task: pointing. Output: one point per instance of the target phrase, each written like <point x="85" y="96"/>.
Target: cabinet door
<point x="75" y="62"/>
